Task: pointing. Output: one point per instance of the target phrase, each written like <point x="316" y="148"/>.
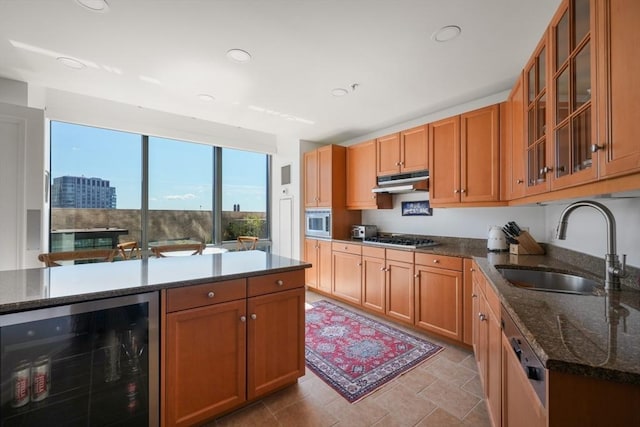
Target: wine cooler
<point x="87" y="364"/>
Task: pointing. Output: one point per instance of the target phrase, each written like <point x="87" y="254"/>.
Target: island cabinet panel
<point x="205" y="362"/>
<point x="269" y="283"/>
<point x="219" y="356"/>
<point x="206" y="294"/>
<point x="274" y="322"/>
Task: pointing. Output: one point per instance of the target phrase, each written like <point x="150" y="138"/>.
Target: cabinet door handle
<point x="383" y="269"/>
<point x="211" y="294"/>
<point x="401" y="163"/>
<point x="482" y="317"/>
<point x="253" y="316"/>
<point x="359" y="264"/>
<point x="243" y="318"/>
<point x="546" y="169"/>
<point x="456" y="191"/>
<point x="417" y="275"/>
<point x="519" y="181"/>
<point x="398" y="163"/>
<point x="435" y="261"/>
<point x="279" y="282"/>
<point x="472" y="269"/>
<point x="463" y="190"/>
<point x="474" y="296"/>
<point x="596" y="147"/>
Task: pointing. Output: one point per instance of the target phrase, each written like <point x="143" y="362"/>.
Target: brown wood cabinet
<point x="521" y="407"/>
<point x="402" y="152"/>
<point x="617" y="39"/>
<point x="438" y="295"/>
<point x="513" y="143"/>
<point x="361" y="178"/>
<point x="467" y="301"/>
<point x="487" y="344"/>
<point x="275" y="341"/>
<point x="196" y="388"/>
<point x="318" y="253"/>
<point x="323" y="168"/>
<point x="346" y="267"/>
<point x="399" y="285"/>
<point x="464" y="159"/>
<point x="580" y="102"/>
<point x="374" y="279"/>
<point x="228" y="342"/>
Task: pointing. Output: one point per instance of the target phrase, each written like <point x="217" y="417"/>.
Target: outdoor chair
<point x="129" y="250"/>
<point x="160" y="251"/>
<point x="100" y="255"/>
<point x="247" y="243"/>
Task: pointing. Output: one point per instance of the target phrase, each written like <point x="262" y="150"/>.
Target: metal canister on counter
<point x="20" y="380"/>
<point x="40" y="378"/>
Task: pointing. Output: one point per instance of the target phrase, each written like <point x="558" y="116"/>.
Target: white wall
<point x="454" y="222"/>
<point x="86" y="110"/>
<point x="587" y="232"/>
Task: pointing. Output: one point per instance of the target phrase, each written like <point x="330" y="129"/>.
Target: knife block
<point x="527" y="245"/>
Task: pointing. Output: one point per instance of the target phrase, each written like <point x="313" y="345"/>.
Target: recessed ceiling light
<point x="446" y="33"/>
<point x="71" y="63"/>
<point x="94" y="5"/>
<point x="339" y="91"/>
<point x="206" y="97"/>
<point x="238" y="55"/>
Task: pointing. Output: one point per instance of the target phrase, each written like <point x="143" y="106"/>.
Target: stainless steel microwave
<point x="317" y="223"/>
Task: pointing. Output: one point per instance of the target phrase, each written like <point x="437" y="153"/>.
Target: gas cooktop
<point x="409" y="242"/>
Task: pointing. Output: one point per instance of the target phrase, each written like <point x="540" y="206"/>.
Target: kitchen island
<point x="231" y="330"/>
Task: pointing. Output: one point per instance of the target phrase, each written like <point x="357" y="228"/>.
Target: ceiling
<point x="162" y="54"/>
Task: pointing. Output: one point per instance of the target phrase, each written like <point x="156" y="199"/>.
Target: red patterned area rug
<point x="356" y="355"/>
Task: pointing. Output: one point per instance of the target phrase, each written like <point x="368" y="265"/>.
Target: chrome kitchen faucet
<point x="614" y="270"/>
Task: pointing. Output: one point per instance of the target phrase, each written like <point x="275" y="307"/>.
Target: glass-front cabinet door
<point x="571" y="86"/>
<point x="537" y="165"/>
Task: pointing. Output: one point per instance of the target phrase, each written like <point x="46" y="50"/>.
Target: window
<point x="95" y="187"/>
<point x="180" y="191"/>
<point x="97" y="191"/>
<point x="244" y="194"/>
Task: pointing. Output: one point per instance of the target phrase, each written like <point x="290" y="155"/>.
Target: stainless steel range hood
<point x="403" y="183"/>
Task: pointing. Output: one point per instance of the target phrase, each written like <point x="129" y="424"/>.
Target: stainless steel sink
<point x="549" y="281"/>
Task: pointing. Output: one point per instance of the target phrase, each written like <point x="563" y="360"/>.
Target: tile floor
<point x="442" y="391"/>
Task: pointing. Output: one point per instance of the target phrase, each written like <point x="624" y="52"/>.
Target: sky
<point x="180" y="174"/>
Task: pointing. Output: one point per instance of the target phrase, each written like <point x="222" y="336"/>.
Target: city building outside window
<point x="97" y="190"/>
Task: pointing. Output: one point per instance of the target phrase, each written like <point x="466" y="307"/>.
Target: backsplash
<point x="454" y="222"/>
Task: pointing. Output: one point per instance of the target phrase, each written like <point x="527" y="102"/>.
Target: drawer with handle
<point x="205" y="294"/>
<point x="439" y="261"/>
<point x="260" y="285"/>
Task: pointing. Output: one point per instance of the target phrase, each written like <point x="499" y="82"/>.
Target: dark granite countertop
<point x="569" y="333"/>
<point x="44" y="287"/>
<point x="595" y="335"/>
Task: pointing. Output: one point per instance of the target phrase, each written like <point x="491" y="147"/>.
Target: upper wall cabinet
<point x="572" y="80"/>
<point x="512" y="143"/>
<point x="617" y="39"/>
<point x="535" y="110"/>
<point x="361" y="178"/>
<point x="581" y="93"/>
<point x="402" y="152"/>
<point x="324" y="177"/>
<point x="464" y="159"/>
